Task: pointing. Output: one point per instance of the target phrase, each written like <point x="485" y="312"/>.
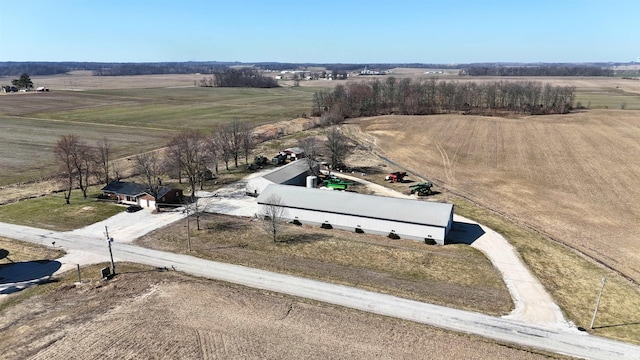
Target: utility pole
<point x="109" y="241"/>
<point x="593" y="320"/>
<point x="188" y="234"/>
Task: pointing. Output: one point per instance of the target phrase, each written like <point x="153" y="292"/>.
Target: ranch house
<point x="131" y="193"/>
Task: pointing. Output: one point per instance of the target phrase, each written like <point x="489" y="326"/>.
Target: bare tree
<point x="65" y="150"/>
<point x="247" y="141"/>
<point x="225" y="144"/>
<point x="214" y="149"/>
<point x="338" y="147"/>
<point x="235" y="138"/>
<point x="273" y="215"/>
<point x="311" y="147"/>
<point x="83" y="159"/>
<point x="188" y="150"/>
<point x="149" y="167"/>
<point x="103" y="159"/>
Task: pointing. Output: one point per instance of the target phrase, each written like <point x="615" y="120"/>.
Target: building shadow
<point x="28" y="270"/>
<point x="464" y="233"/>
<point x="19" y="275"/>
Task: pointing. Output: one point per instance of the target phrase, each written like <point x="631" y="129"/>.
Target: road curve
<point x="562" y="341"/>
<point x="533" y="304"/>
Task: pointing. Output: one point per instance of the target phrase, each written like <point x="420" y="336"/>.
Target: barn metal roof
<point x="288" y="172"/>
<point x="370" y="206"/>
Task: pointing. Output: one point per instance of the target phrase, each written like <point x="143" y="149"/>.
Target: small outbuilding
<point x="294" y="173"/>
<point x="400" y="218"/>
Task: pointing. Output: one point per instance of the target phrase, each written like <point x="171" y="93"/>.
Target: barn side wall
<point x="367" y="225"/>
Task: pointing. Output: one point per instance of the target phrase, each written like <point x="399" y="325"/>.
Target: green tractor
<point x="422" y="189"/>
<point x="336" y="183"/>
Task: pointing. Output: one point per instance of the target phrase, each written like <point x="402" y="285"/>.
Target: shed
<point x="294" y="173"/>
<point x="406" y="218"/>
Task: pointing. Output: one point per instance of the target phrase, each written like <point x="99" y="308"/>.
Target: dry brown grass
<point x="83" y="80"/>
<point x="571" y="278"/>
<point x="15" y="251"/>
<point x="560" y="175"/>
<point x="571" y="176"/>
<point x="457" y="276"/>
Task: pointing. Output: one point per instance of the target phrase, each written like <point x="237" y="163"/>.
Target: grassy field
<point x="51" y="212"/>
<point x="26" y="144"/>
<point x="134" y="120"/>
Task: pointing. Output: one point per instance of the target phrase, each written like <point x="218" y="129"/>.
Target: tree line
<point x="243" y="77"/>
<point x="132" y="69"/>
<point x="427" y="97"/>
<point x="536" y="71"/>
<point x="190" y="155"/>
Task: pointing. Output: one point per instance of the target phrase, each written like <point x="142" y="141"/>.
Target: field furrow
<point x="571" y="176"/>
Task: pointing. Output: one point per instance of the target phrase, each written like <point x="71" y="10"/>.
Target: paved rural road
<point x="569" y="342"/>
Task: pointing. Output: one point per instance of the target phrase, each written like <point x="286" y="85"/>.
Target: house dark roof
<point x="132" y="189"/>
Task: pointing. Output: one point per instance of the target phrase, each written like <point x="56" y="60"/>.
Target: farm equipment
<point x="422" y="189"/>
<point x="258" y="162"/>
<point x="336" y="183"/>
<point x="397" y="176"/>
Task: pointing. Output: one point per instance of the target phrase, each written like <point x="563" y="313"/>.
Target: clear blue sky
<point x="331" y="31"/>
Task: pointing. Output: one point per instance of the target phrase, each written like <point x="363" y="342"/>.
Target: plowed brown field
<point x="573" y="177"/>
<point x="168" y="315"/>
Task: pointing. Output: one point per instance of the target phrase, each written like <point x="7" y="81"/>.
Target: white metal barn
<point x="407" y="218"/>
<point x="293" y="173"/>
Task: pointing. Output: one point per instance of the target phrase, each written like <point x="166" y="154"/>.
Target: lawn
<point x="51" y="212"/>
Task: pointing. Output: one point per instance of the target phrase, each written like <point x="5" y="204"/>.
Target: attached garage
<point x="405" y="218"/>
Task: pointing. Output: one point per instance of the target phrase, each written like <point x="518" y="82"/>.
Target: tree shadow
<point x="222" y="247"/>
<point x="4" y="254"/>
<point x="464" y="233"/>
<point x="302" y="238"/>
<point x="366" y="170"/>
<point x="155" y="269"/>
<point x="224" y="226"/>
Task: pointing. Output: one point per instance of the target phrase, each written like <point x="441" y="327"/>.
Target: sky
<point x="330" y="31"/>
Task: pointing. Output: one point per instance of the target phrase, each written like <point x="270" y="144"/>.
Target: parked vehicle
<point x="133" y="208"/>
<point x="422" y="189"/>
<point x="397" y="176"/>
